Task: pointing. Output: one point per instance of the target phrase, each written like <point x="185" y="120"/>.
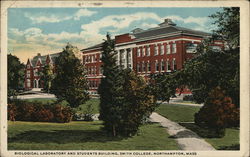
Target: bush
<point x="218" y="113"/>
<point x="188" y="98"/>
<point x="88" y="113"/>
<point x="37" y="112"/>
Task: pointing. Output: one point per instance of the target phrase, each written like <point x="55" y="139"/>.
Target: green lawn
<point x="229" y="142"/>
<point x="84" y="136"/>
<point x="181" y="113"/>
<point x="178" y="113"/>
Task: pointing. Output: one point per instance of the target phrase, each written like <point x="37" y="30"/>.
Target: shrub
<point x="27" y="111"/>
<point x="88" y="113"/>
<point x="218" y="113"/>
<point x="12" y="112"/>
<point x="188" y="98"/>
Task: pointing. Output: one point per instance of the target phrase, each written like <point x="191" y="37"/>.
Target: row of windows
<point x="158" y="65"/>
<point x="158" y="50"/>
<point x="93" y="83"/>
<point x="91" y="58"/>
<point x="28" y="74"/>
<point x="93" y="70"/>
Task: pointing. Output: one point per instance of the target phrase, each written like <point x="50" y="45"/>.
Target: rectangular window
<point x="28" y="74"/>
<point x="168" y="49"/>
<point x="142" y="51"/>
<point x="168" y="66"/>
<point x="156" y="50"/>
<point x="162" y="49"/>
<point x="138" y="67"/>
<point x="36" y="72"/>
<point x="191" y="48"/>
<point x="162" y="65"/>
<point x="156" y="66"/>
<point x="173" y="48"/>
<point x="143" y="67"/>
<point x="174" y="65"/>
<point x="149" y="66"/>
<point x="138" y="52"/>
<point x="148" y="51"/>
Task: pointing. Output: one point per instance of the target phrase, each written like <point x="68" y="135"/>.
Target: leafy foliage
<point x="38" y="112"/>
<point x="212" y="69"/>
<point x="110" y="89"/>
<point x="47" y="76"/>
<point x="138" y="103"/>
<point x="15" y="75"/>
<point x="218" y="112"/>
<point x="70" y="83"/>
<point x="228" y="23"/>
<point x="125" y="99"/>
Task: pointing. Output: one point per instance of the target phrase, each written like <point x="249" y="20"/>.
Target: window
<point x="156" y="50"/>
<point x="168" y="66"/>
<point x="162" y="49"/>
<point x="100" y="70"/>
<point x="174" y="64"/>
<point x="28" y="83"/>
<point x="138" y="52"/>
<point x="138" y="67"/>
<point x="168" y="49"/>
<point x="162" y="65"/>
<point x="148" y="51"/>
<point x="36" y="72"/>
<point x="156" y="66"/>
<point x="142" y="51"/>
<point x="28" y="66"/>
<point x="191" y="48"/>
<point x="149" y="66"/>
<point x="173" y="48"/>
<point x="28" y="74"/>
<point x="100" y="56"/>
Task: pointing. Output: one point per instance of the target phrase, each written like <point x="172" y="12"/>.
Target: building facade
<point x="161" y="49"/>
<point x="35" y="66"/>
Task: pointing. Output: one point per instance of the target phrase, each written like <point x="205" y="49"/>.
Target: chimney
<point x="38" y="54"/>
<point x="167" y="22"/>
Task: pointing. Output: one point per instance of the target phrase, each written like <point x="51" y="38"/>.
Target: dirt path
<point x="186" y="139"/>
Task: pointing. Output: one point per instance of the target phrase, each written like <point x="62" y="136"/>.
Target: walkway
<point x="186" y="139"/>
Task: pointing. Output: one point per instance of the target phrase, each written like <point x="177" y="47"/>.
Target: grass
<point x="84" y="136"/>
<point x="229" y="142"/>
<point x="178" y="113"/>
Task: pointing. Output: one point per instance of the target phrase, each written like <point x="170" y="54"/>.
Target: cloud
<point x="54" y="18"/>
<point x="197" y="20"/>
<point x="83" y="12"/>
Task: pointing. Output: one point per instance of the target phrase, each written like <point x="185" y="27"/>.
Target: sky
<point x="48" y="30"/>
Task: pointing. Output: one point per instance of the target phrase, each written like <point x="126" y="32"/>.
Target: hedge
<point x="38" y="112"/>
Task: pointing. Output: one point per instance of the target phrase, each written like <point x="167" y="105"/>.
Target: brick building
<point x="33" y="67"/>
<point x="161" y="49"/>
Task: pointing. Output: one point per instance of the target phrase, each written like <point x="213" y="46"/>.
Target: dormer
<point x="137" y="30"/>
<point x="39" y="62"/>
<point x="167" y="22"/>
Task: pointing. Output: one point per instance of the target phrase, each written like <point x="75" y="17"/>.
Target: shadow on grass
<point x="232" y="147"/>
<point x="63" y="136"/>
<point x="202" y="132"/>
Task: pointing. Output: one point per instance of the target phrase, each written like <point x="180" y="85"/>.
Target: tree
<point x="214" y="68"/>
<point x="138" y="103"/>
<point x="15" y="75"/>
<point x="218" y="113"/>
<point x="110" y="88"/>
<point x="47" y="76"/>
<point x="228" y="23"/>
<point x="70" y="83"/>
